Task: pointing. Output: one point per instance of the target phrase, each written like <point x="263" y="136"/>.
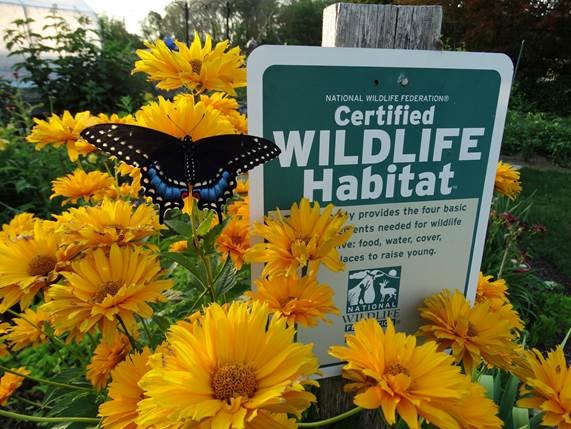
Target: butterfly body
<point x="170" y="166"/>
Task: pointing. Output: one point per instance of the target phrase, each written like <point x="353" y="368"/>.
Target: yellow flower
<point x="473" y="333"/>
<point x="178" y="246"/>
<point x="105" y="358"/>
<point x="64" y="131"/>
<point x="228" y="369"/>
<point x="240" y="208"/>
<point x="120" y="411"/>
<point x="131" y="189"/>
<point x="474" y="411"/>
<point x="114" y="118"/>
<point x="101" y="288"/>
<point x="183" y="117"/>
<point x="234" y="240"/>
<point x="128" y="170"/>
<point x="306" y="239"/>
<point x="113" y="221"/>
<point x="4" y="351"/>
<point x="507" y="180"/>
<point x="549" y="388"/>
<point x="27" y="265"/>
<point x="228" y="107"/>
<point x="94" y="185"/>
<point x="189" y="204"/>
<point x="28" y="330"/>
<point x="196" y="67"/>
<point x="242" y="186"/>
<point x="9" y="383"/>
<point x="301" y="301"/>
<point x="495" y="294"/>
<point x="21" y="224"/>
<point x="389" y="371"/>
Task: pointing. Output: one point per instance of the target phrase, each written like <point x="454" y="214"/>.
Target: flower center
<point x="396" y="368"/>
<point x="196" y="66"/>
<point x="41" y="265"/>
<point x="230" y="381"/>
<point x="107" y="288"/>
<point x="471" y="332"/>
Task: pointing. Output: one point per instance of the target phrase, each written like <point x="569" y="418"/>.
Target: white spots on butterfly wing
<point x="114" y="127"/>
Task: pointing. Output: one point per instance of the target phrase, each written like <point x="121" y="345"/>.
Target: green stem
<point x="37" y="419"/>
<point x="27" y="401"/>
<point x="193" y="307"/>
<point x="504" y="259"/>
<point x="145" y="328"/>
<point x="564" y="342"/>
<point x="126" y="332"/>
<point x="43" y="381"/>
<point x="209" y="278"/>
<point x="331" y="420"/>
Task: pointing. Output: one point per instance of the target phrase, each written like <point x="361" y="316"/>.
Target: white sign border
<point x="266" y="56"/>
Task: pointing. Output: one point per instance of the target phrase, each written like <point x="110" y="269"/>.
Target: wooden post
<point x="371" y="26"/>
<point x="382" y="26"/>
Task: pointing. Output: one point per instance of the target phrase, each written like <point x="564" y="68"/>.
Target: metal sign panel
<point x="406" y="142"/>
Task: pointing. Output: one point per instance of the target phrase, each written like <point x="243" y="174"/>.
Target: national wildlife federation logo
<point x="373" y="289"/>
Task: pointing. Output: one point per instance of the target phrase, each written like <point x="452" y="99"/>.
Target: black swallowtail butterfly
<point x="170" y="166"/>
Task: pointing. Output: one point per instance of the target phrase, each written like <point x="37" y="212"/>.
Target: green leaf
<point x="225" y="279"/>
<point x="204" y="226"/>
<point x="487" y="381"/>
<point x="520" y="418"/>
<point x="497" y="387"/>
<point x="508" y="400"/>
<point x="162" y="322"/>
<point x="180" y="227"/>
<point x="187" y="263"/>
<point x="211" y="236"/>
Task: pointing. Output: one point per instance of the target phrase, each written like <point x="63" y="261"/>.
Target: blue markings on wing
<point x="213" y="193"/>
<point x="163" y="189"/>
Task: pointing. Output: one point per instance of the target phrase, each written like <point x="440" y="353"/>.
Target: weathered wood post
<point x="382" y="26"/>
<point x="372" y="26"/>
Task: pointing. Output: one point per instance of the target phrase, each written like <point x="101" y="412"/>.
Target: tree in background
<point x="300" y="22"/>
<point x="238" y="20"/>
<point x="475" y="25"/>
<point x="79" y="69"/>
<point x="500" y="26"/>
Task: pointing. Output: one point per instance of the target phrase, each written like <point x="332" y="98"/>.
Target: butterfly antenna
<point x="193" y="128"/>
<point x="198" y="123"/>
<point x="176" y="125"/>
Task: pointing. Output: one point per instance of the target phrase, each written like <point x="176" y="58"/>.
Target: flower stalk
<point x="331" y="420"/>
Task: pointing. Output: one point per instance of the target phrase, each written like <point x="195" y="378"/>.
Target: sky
<point x="131" y="11"/>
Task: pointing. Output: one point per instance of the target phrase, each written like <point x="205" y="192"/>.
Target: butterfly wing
<point x="219" y="159"/>
<point x="159" y="156"/>
<point x="137" y="146"/>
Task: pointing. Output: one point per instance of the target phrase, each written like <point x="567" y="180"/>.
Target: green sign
<point x="406" y="142"/>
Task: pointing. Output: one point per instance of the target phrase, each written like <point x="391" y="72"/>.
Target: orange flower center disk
<point x="41" y="265"/>
<point x="196" y="65"/>
<point x="230" y="381"/>
<point x="107" y="288"/>
<point x="396" y="368"/>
